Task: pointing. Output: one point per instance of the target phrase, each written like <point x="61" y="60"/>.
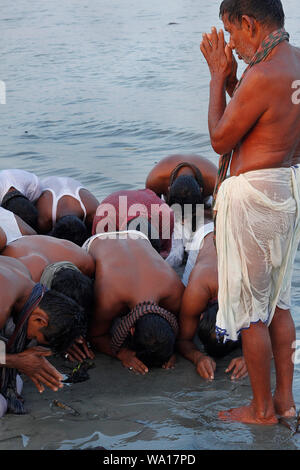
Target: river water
<point x="100" y="90"/>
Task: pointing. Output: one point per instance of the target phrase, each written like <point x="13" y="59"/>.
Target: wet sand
<point x="169" y="410"/>
<point x="118" y="410"/>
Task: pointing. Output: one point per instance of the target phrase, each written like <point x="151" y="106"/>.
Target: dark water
<point x="100" y="90"/>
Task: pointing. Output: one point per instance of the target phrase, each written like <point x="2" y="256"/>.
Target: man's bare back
<point x="38" y="251"/>
<point x="15" y="286"/>
<point x="131" y="271"/>
<point x="159" y="177"/>
<point x="275" y="139"/>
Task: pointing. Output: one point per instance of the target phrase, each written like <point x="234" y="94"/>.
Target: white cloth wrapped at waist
<point x="194" y="249"/>
<point x="257" y="235"/>
<point x="132" y="234"/>
<point x="9" y="225"/>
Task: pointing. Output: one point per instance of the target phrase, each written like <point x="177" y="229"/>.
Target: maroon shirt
<point x="119" y="208"/>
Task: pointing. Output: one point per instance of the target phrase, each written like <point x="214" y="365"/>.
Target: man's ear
<point x="40" y="317"/>
<point x="249" y="24"/>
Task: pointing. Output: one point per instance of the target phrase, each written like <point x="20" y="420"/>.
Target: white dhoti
<point x="131" y="234"/>
<point x="9" y="224"/>
<point x="194" y="249"/>
<point x="257" y="235"/>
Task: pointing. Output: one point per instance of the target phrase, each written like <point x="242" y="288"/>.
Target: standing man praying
<point x="257" y="208"/>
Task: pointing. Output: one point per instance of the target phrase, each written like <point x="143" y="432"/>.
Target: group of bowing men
<point x="69" y="284"/>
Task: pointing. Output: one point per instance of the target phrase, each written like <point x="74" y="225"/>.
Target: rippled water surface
<point x="100" y="90"/>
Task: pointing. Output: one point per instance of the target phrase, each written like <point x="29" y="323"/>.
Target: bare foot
<point x="290" y="413"/>
<point x="247" y="414"/>
<point x="284" y="408"/>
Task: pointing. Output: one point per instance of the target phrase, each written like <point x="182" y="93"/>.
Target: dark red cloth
<point x="154" y="209"/>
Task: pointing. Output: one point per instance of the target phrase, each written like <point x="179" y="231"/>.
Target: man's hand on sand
<point x="170" y="364"/>
<point x="218" y="54"/>
<point x="79" y="351"/>
<point x="206" y="367"/>
<point x="238" y="368"/>
<point x="131" y="362"/>
<point x="33" y="363"/>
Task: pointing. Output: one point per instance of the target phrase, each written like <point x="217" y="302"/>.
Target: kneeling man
<point x="199" y="310"/>
<point x="62" y="266"/>
<point x="137" y="298"/>
<point x="28" y="311"/>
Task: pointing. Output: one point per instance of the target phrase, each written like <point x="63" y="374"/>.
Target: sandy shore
<point x="165" y="409"/>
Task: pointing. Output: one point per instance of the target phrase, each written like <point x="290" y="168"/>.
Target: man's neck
<point x="263" y="33"/>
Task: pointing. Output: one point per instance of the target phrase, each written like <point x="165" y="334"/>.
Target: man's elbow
<point x="220" y="145"/>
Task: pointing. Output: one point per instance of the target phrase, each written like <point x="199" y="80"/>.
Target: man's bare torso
<point x="15" y="287"/>
<point x="38" y="251"/>
<point x="158" y="178"/>
<point x="206" y="269"/>
<point x="131" y="271"/>
<point x="274" y="141"/>
<point x="66" y="205"/>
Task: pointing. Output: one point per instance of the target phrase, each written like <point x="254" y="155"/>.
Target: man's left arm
<point x="240" y="115"/>
<point x="228" y="124"/>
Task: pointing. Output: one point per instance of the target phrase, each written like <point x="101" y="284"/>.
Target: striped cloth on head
<point x="122" y="329"/>
<point x="52" y="269"/>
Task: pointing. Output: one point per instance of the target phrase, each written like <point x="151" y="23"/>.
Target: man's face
<point x="239" y="39"/>
<point x="37" y="320"/>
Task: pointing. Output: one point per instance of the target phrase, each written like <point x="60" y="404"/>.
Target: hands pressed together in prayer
<point x="33" y="363"/>
<point x="219" y="56"/>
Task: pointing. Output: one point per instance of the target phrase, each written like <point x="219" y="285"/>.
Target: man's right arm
<point x="232" y="80"/>
<point x="194" y="303"/>
<point x="99" y="334"/>
<point x="230" y="86"/>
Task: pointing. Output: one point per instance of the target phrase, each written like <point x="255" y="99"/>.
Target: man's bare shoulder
<point x="296" y="50"/>
<point x="202" y="272"/>
<point x="285" y="64"/>
<point x="257" y="78"/>
<point x="206" y="270"/>
<point x="15" y="280"/>
<point x="12" y="267"/>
